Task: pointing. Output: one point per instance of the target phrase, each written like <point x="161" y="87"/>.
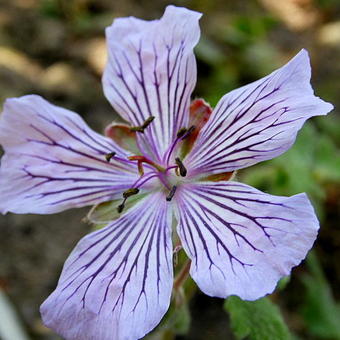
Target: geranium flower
<point x="117" y="282"/>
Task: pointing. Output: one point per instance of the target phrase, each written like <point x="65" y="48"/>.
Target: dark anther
<point x="137" y="129"/>
<point x="120" y="208"/>
<point x="108" y="156"/>
<point x="181" y="167"/>
<point x="189" y="131"/>
<point x="126" y="194"/>
<point x="171" y="193"/>
<point x="130" y="192"/>
<point x="148" y="122"/>
<point x="181" y="132"/>
<point x="142" y="127"/>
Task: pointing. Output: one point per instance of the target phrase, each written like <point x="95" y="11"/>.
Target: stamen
<point x="142" y="127"/>
<point x="189" y="131"/>
<point x="148" y="121"/>
<point x="130" y="192"/>
<point x="181" y="167"/>
<point x="121" y="207"/>
<point x="171" y="193"/>
<point x="126" y="194"/>
<point x="134" y="190"/>
<point x="108" y="156"/>
<point x="181" y="132"/>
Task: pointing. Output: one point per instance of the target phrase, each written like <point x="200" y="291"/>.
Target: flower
<point x="117" y="282"/>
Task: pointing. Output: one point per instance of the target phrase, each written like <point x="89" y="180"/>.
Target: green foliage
<point x="320" y="311"/>
<point x="244" y="30"/>
<point x="256" y="320"/>
<point x="50" y="8"/>
<point x="176" y="321"/>
<point x="309" y="166"/>
<point x="180" y="320"/>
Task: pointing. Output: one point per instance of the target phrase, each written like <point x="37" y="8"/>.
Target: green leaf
<point x="320" y="311"/>
<point x="180" y="321"/>
<point x="309" y="166"/>
<point x="328" y="160"/>
<point x="256" y="320"/>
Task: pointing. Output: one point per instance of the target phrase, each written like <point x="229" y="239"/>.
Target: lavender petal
<point x="151" y="71"/>
<point x="242" y="241"/>
<point x="54" y="161"/>
<point x="117" y="282"/>
<point x="258" y="121"/>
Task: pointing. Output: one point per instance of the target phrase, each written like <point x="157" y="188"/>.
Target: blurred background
<point x="56" y="48"/>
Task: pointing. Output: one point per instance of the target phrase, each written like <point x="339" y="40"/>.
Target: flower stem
<point x="182" y="275"/>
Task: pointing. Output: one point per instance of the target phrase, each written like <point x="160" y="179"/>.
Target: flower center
<point x="168" y="178"/>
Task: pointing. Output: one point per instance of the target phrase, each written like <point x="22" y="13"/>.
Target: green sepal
<point x="106" y="212"/>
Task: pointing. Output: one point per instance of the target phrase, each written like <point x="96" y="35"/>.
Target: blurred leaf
<point x="209" y="52"/>
<point x="320" y="310"/>
<point x="330" y="125"/>
<point x="261" y="58"/>
<point x="281" y="285"/>
<point x="256" y="320"/>
<point x="312" y="161"/>
<point x="326" y="4"/>
<point x="180" y="321"/>
<point x="328" y="160"/>
<point x="244" y="30"/>
<point x="50" y="8"/>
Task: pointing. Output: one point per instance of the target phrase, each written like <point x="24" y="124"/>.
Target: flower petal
<point x="54" y="161"/>
<point x="258" y="121"/>
<point x="117" y="282"/>
<point x="241" y="240"/>
<point x="151" y="71"/>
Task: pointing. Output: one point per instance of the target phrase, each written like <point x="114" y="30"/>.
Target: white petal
<point x="117" y="282"/>
<point x="54" y="161"/>
<point x="241" y="240"/>
<point x="258" y="121"/>
<point x="151" y="71"/>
